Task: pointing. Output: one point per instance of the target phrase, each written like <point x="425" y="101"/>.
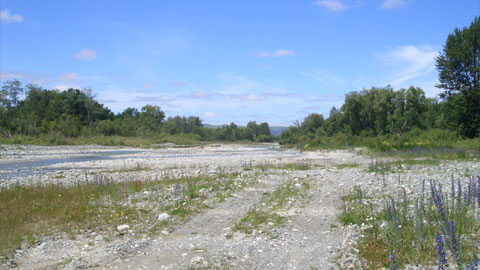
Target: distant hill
<point x="275" y="130"/>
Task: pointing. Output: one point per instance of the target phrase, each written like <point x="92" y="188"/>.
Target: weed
<point x="347" y="165"/>
<point x="431" y="228"/>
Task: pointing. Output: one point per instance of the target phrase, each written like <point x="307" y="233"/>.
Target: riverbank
<point x="228" y="206"/>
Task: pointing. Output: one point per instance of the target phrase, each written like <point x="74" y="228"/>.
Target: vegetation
<point x="384" y="118"/>
<point x="29" y="213"/>
<point x="436" y="227"/>
<point x="265" y="216"/>
<point x="75" y="117"/>
<point x="459" y="69"/>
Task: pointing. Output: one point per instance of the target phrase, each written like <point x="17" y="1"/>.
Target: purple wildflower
<point x="442" y="259"/>
<point x="393" y="261"/>
<point x="454" y="241"/>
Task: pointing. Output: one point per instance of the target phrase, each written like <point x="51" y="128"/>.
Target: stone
<point x="197" y="260"/>
<point x="122" y="228"/>
<point x="163" y="216"/>
<point x="203" y="192"/>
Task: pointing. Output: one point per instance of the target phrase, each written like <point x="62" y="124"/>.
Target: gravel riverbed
<point x="311" y="237"/>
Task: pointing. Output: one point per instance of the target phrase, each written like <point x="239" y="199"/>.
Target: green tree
<point x="10" y="93"/>
<point x="151" y="117"/>
<point x="459" y="75"/>
<point x="312" y="122"/>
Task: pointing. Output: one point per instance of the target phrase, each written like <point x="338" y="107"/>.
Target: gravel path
<point x="311" y="238"/>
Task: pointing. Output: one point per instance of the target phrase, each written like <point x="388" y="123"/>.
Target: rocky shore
<point x="310" y="238"/>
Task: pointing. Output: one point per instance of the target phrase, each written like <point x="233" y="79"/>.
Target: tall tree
<point x="459" y="75"/>
<point x="10" y="93"/>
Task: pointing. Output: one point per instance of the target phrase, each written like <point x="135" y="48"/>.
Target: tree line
<point x="389" y="113"/>
<point x="75" y="112"/>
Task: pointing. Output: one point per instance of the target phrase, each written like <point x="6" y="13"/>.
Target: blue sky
<point x="228" y="61"/>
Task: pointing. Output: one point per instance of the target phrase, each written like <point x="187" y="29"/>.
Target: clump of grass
<point x="256" y="219"/>
<point x="347" y="165"/>
<point x="265" y="215"/>
<point x="291" y="166"/>
<point x="388" y="166"/>
<point x="436" y="226"/>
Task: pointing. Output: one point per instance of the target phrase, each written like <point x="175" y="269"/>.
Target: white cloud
<point x="277" y="53"/>
<point x="389" y="4"/>
<point x="86" y="54"/>
<point x="414" y="62"/>
<point x="331" y="5"/>
<point x="5" y="16"/>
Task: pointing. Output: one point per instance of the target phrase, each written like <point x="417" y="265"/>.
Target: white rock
<point x="123" y="227"/>
<point x="197" y="260"/>
<point x="164" y="232"/>
<point x="163" y="216"/>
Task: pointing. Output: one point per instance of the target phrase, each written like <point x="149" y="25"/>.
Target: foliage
<point x="62" y="117"/>
<point x="433" y="227"/>
<point x="459" y="75"/>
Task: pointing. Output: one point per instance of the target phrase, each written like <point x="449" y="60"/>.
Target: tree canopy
<point x="459" y="70"/>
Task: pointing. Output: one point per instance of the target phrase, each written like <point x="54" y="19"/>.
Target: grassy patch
<point x="347" y="165"/>
<point x="137" y="168"/>
<point x="265" y="215"/>
<point x="440" y="153"/>
<point x="380" y="166"/>
<point x="411" y="228"/>
<point x="29" y="213"/>
<point x="292" y="166"/>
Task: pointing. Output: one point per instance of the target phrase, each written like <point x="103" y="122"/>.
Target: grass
<point x="291" y="166"/>
<point x="347" y="165"/>
<point x="28" y="213"/>
<point x="440" y="153"/>
<point x="408" y="227"/>
<point x="265" y="216"/>
<point x="399" y="165"/>
<point x="58" y="139"/>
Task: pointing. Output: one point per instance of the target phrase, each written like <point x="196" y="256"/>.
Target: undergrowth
<point x="435" y="227"/>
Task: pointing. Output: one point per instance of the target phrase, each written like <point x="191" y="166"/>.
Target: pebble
<point x="122" y="228"/>
<point x="163" y="216"/>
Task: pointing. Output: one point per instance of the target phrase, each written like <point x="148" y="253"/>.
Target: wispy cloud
<point x="86" y="54"/>
<point x="68" y="76"/>
<point x="277" y="53"/>
<point x="148" y="85"/>
<point x="155" y="98"/>
<point x="325" y="77"/>
<point x="332" y="5"/>
<point x="389" y="4"/>
<point x="6" y="16"/>
<point x="212" y="114"/>
<point x="413" y="61"/>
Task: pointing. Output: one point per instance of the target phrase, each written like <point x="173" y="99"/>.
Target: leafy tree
<point x="312" y="122"/>
<point x="10" y="93"/>
<point x="151" y="117"/>
<point x="459" y="76"/>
